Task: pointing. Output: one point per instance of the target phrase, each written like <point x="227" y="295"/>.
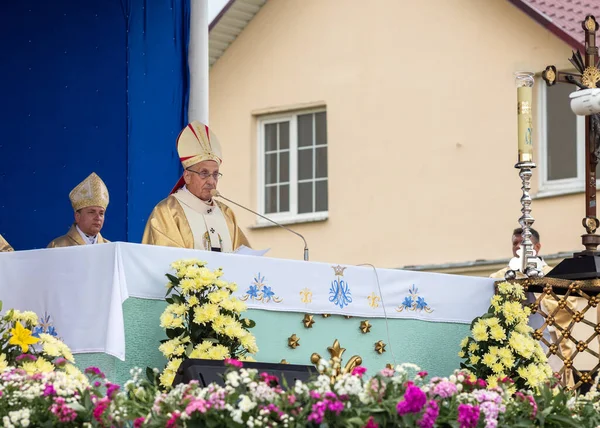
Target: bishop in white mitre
<point x="190" y="217"/>
<point x="89" y="200"/>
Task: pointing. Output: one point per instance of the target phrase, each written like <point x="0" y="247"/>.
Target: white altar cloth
<point x="82" y="288"/>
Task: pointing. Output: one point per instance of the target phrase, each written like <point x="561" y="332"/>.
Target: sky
<point x="214" y="7"/>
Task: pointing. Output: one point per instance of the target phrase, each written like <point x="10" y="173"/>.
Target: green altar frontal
<point x="433" y="346"/>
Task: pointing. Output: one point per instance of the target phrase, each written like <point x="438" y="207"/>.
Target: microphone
<point x="215" y="193"/>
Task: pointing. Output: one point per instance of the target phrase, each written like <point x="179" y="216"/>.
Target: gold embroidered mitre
<point x="197" y="143"/>
<point x="91" y="192"/>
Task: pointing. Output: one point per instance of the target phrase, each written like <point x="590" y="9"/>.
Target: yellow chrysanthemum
<point x="178" y="309"/>
<point x="206" y="313"/>
<point x="22" y="337"/>
<point x="187" y="286"/>
<point x="497" y="368"/>
<point x="474" y="359"/>
<point x="497" y="333"/>
<point x="479" y="331"/>
<point x="489" y="360"/>
<point x="492" y="381"/>
<point x="238" y="305"/>
<point x="495" y="302"/>
<point x="227" y="304"/>
<point x="29" y="367"/>
<point x="166" y="378"/>
<point x="3" y="362"/>
<point x="473" y="347"/>
<point x="193" y="301"/>
<point x="464" y="342"/>
<point x="218" y="352"/>
<point x="218" y="296"/>
<point x="44" y="366"/>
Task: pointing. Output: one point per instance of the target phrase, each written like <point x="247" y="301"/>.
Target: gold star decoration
<point x="308" y="321"/>
<point x="325" y="315"/>
<point x="365" y="326"/>
<point x="387" y="366"/>
<point x="284" y="361"/>
<point x="380" y="347"/>
<point x="293" y="341"/>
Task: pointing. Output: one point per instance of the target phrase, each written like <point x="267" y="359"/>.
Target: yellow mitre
<point x="197" y="143"/>
<point x="91" y="192"/>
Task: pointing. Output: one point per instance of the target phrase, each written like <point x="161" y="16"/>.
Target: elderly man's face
<point x="516" y="244"/>
<point x="202" y="178"/>
<point x="90" y="220"/>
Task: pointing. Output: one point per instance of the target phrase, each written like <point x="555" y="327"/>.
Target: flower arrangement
<point x="501" y="345"/>
<point x="202" y="319"/>
<point x="25" y="346"/>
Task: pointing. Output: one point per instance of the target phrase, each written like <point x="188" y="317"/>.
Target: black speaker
<point x="209" y="371"/>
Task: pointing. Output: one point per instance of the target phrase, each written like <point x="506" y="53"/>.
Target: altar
<point x="105" y="301"/>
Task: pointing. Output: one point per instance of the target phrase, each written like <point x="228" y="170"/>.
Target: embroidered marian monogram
<point x="339" y="292"/>
<point x="260" y="292"/>
<point x="413" y="302"/>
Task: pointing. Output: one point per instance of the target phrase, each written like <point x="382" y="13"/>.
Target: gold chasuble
<point x="72" y="238"/>
<point x="4" y="246"/>
<point x="183" y="220"/>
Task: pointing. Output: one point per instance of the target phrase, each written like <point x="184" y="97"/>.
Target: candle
<point x="524" y="82"/>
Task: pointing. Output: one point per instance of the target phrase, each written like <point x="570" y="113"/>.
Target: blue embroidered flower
<point x="407" y="303"/>
<point x="267" y="293"/>
<point x="421" y="303"/>
<point x="252" y="291"/>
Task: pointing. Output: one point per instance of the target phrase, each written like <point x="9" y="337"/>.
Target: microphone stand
<point x="218" y="195"/>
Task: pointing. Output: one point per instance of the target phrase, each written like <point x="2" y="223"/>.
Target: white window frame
<point x="291" y="216"/>
<point x="565" y="186"/>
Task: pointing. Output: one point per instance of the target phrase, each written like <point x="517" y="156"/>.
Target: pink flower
<point x="387" y="372"/>
<point x="359" y="371"/>
<point x="232" y="362"/>
<point x="371" y="423"/>
<point x="291" y="399"/>
<point x="101" y="406"/>
<point x="413" y="401"/>
<point x="62" y="411"/>
<point x="172" y="423"/>
<point x="197" y="405"/>
<point x="444" y="389"/>
<point x="59" y="362"/>
<point x="111" y="389"/>
<point x="138" y="422"/>
<point x="422" y="374"/>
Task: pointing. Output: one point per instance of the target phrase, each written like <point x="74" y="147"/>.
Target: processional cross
<point x="587" y="78"/>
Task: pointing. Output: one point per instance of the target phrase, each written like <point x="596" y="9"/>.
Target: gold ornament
<point x="308" y="321"/>
<point x="293" y="341"/>
<point x="284" y="361"/>
<point x="336" y="352"/>
<point x="339" y="270"/>
<point x="325" y="315"/>
<point x="590" y="77"/>
<point x="347" y="316"/>
<point x="389" y="366"/>
<point x="380" y="347"/>
<point x="374" y="300"/>
<point x="365" y="326"/>
<point x="590" y="24"/>
<point x="306" y="295"/>
<point x="549" y="75"/>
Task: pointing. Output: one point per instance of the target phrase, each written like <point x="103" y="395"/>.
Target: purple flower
<point x="359" y="371"/>
<point x="111" y="388"/>
<point x="430" y="416"/>
<point x="422" y="374"/>
<point x="95" y="371"/>
<point x="233" y="363"/>
<point x="413" y="402"/>
<point x="468" y="415"/>
<point x="49" y="390"/>
<point x="371" y="423"/>
<point x="25" y="357"/>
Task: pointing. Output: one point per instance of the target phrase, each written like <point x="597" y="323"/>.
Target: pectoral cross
<point x="588" y="77"/>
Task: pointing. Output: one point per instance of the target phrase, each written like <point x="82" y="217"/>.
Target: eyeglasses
<point x="205" y="175"/>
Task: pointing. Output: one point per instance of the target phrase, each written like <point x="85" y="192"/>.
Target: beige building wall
<point x="421" y="112"/>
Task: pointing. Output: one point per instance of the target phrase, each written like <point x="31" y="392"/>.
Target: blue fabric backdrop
<point x="89" y="86"/>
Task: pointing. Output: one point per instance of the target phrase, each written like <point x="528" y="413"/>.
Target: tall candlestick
<point x="524" y="81"/>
